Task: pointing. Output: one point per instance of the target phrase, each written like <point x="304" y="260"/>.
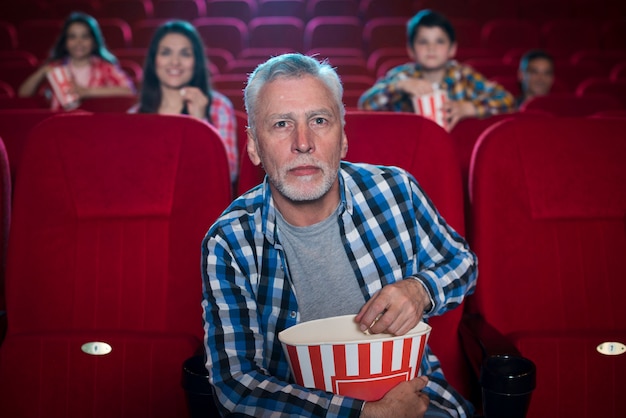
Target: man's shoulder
<point x="364" y="175"/>
<point x="243" y="211"/>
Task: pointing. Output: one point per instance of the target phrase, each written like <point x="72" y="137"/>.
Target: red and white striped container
<point x="332" y="354"/>
<point x="430" y="106"/>
<point x="59" y="78"/>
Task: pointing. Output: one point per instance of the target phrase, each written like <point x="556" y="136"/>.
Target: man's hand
<point x="394" y="309"/>
<point x="405" y="400"/>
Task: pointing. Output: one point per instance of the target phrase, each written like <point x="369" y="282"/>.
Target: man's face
<point x="538" y="78"/>
<point x="300" y="138"/>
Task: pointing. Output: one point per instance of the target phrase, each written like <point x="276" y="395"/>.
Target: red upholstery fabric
<point x="15" y="124"/>
<point x="5" y="221"/>
<point x="548" y="219"/>
<point x="227" y="33"/>
<point x="110" y="210"/>
<point x="571" y="105"/>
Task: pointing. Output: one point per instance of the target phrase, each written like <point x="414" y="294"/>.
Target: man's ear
<point x="344" y="145"/>
<point x="251" y="147"/>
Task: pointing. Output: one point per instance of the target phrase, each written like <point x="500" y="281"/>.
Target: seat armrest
<point x="481" y="340"/>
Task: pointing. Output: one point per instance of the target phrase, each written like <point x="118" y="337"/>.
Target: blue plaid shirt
<point x="391" y="231"/>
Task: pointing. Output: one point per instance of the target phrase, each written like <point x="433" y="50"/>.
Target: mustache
<point x="304" y="160"/>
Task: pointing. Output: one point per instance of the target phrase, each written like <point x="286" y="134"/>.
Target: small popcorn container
<point x="59" y="78"/>
<point x="430" y="106"/>
<point x="334" y="355"/>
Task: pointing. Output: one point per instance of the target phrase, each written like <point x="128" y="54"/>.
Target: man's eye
<point x="320" y="121"/>
<point x="281" y="124"/>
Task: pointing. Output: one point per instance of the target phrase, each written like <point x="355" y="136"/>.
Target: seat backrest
<point x="604" y="86"/>
<point x="240" y="9"/>
<point x="505" y="33"/>
<point x="131" y="10"/>
<point x="333" y="32"/>
<point x="570" y="34"/>
<point x="8" y="36"/>
<point x="5" y="221"/>
<point x="179" y="9"/>
<point x="571" y="105"/>
<point x="227" y="33"/>
<point x="426" y="150"/>
<point x="292" y="8"/>
<point x="38" y="35"/>
<point x="548" y="210"/>
<point x="279" y="32"/>
<point x="116" y="32"/>
<point x="15" y="125"/>
<point x="384" y="32"/>
<point x="118" y="205"/>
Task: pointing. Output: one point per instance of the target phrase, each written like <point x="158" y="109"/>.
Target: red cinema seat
<point x="570" y="104"/>
<point x="117" y="32"/>
<point x="143" y="31"/>
<point x="227" y="33"/>
<point x="110" y="104"/>
<point x="277" y="32"/>
<point x="316" y="8"/>
<point x="334" y="35"/>
<point x="130" y="10"/>
<point x="503" y="34"/>
<point x="426" y="150"/>
<point x="8" y="36"/>
<point x="291" y="8"/>
<point x="5" y="221"/>
<point x="243" y="10"/>
<point x="603" y="86"/>
<point x="570" y="34"/>
<point x="6" y="91"/>
<point x="117" y="205"/>
<point x="179" y="9"/>
<point x="38" y="35"/>
<point x="548" y="207"/>
<point x="372" y="9"/>
<point x="618" y="71"/>
<point x="15" y="125"/>
<point x="384" y="32"/>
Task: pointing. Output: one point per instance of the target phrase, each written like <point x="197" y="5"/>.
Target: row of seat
<point x="496" y="36"/>
<point x="480" y="10"/>
<point x="117" y="209"/>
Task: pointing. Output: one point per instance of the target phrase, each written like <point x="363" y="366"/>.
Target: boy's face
<point x="431" y="48"/>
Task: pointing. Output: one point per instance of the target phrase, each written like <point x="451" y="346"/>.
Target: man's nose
<point x="303" y="142"/>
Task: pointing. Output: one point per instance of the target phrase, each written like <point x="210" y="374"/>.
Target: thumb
<point x="419" y="383"/>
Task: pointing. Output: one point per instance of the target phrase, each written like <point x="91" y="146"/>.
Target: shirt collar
<point x="269" y="208"/>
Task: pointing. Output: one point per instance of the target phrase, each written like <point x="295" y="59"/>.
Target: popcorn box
<point x="59" y="78"/>
<point x="333" y="355"/>
<point x="430" y="106"/>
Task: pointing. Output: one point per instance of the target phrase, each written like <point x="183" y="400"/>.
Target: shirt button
<point x="293" y="314"/>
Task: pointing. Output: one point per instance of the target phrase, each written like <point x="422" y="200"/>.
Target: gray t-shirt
<point x="325" y="283"/>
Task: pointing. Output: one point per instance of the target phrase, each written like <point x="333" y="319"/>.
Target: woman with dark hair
<point x="176" y="81"/>
<point x="93" y="70"/>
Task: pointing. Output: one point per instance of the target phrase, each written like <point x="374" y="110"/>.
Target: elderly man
<point x="319" y="238"/>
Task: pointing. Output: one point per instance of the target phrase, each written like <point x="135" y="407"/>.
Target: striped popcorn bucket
<point x="59" y="78"/>
<point x="332" y="354"/>
<point x="430" y="106"/>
